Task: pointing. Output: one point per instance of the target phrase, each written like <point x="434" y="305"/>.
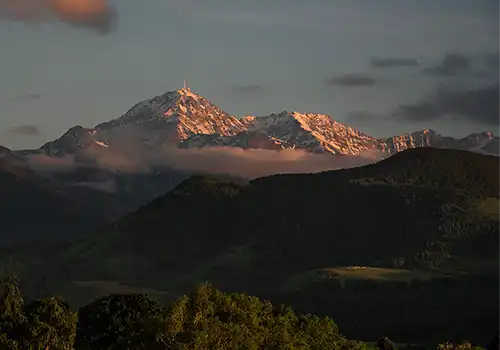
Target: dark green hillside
<point x="33" y="207"/>
<point x="410" y="209"/>
<point x="441" y="169"/>
<point x="429" y="211"/>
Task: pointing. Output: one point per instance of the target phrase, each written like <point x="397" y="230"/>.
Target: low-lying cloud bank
<point x="246" y="163"/>
<point x="252" y="163"/>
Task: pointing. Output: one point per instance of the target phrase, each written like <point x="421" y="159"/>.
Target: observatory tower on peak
<point x="185" y="86"/>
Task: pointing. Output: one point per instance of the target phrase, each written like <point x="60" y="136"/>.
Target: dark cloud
<point x="479" y="105"/>
<point x="452" y="65"/>
<point x="98" y="15"/>
<point x="247" y="89"/>
<point x="390" y="62"/>
<point x="27" y="97"/>
<point x="27" y="130"/>
<point x="472" y="103"/>
<point x="353" y="80"/>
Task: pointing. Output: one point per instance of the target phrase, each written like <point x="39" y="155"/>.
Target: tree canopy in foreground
<point x="206" y="319"/>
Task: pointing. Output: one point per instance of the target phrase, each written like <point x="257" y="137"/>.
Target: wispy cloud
<point x="27" y="97"/>
<point x="452" y="65"/>
<point x="26" y="130"/>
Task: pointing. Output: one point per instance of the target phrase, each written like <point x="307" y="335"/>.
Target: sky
<point x="386" y="67"/>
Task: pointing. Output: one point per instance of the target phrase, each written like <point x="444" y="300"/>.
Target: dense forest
<point x="205" y="319"/>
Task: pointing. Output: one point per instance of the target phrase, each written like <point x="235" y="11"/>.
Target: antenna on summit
<point x="185" y="84"/>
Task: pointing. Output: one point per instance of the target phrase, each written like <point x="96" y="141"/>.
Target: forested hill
<point x="397" y="209"/>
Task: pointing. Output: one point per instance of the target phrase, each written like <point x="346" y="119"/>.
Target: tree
<point x="128" y="321"/>
<point x="385" y="343"/>
<point x="320" y="333"/>
<point x="493" y="344"/>
<point x="51" y="324"/>
<point x="211" y="319"/>
<point x="11" y="313"/>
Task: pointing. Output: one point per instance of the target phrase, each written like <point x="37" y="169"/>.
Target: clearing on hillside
<point x="489" y="207"/>
<point x="359" y="273"/>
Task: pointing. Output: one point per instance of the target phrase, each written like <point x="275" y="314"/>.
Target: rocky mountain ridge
<point x="183" y="118"/>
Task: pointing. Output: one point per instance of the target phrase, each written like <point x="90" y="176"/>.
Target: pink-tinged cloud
<point x="252" y="163"/>
<point x="44" y="162"/>
<point x="246" y="163"/>
<point x="95" y="14"/>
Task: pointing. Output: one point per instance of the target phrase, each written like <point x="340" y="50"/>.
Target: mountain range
<point x="188" y="120"/>
<point x="123" y="164"/>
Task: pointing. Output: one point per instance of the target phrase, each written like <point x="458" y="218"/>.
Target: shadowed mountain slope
<point x="32" y="206"/>
<point x="417" y="208"/>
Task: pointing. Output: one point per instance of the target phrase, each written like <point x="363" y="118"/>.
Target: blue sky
<point x="258" y="57"/>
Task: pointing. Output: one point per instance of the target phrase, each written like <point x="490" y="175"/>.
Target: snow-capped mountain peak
<point x="75" y="139"/>
<point x="485" y="142"/>
<point x="485" y="135"/>
<point x="311" y="131"/>
<point x="178" y="115"/>
<point x="145" y="111"/>
<point x="185" y="118"/>
<point x="169" y="118"/>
